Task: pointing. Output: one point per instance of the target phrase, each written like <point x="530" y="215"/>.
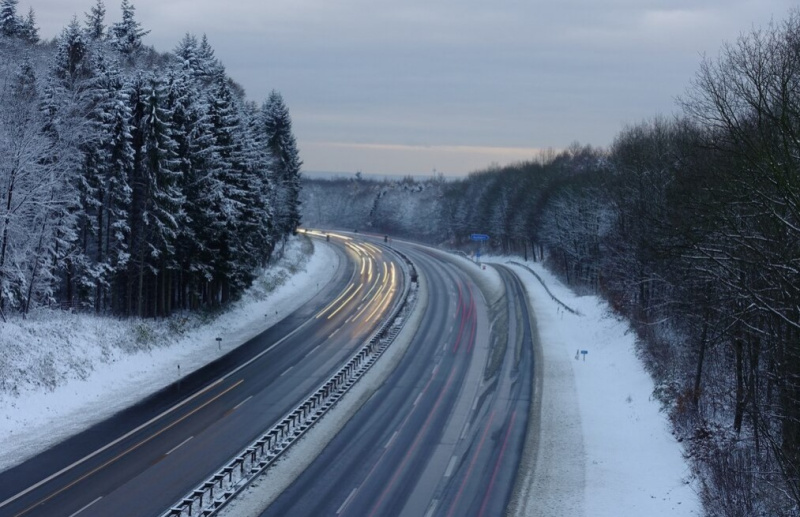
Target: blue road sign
<point x="479" y="237"/>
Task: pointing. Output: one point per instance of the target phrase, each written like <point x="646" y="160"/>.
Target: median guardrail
<point x="213" y="494"/>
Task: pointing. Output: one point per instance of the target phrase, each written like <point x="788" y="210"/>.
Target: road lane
<point x="134" y="475"/>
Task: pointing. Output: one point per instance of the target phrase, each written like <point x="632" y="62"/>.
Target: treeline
<point x="133" y="182"/>
<point x="690" y="228"/>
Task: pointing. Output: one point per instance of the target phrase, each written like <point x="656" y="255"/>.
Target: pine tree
<point x="226" y="167"/>
<point x="277" y="126"/>
<point x="260" y="167"/>
<point x="127" y="35"/>
<point x="106" y="195"/>
<point x="210" y="69"/>
<point x="187" y="53"/>
<point x="28" y="29"/>
<point x="10" y="24"/>
<point x="193" y="147"/>
<point x="95" y="21"/>
<point x="72" y="63"/>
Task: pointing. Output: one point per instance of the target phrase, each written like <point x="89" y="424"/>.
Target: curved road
<point x="444" y="434"/>
<point x="144" y="459"/>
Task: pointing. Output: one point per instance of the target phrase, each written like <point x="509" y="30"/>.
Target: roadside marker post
<point x="480" y="238"/>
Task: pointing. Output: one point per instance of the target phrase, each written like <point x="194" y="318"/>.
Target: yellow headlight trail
<point x="334" y="302"/>
<point x="387" y="296"/>
<point x="331" y="315"/>
<point x="377" y="295"/>
<point x="342" y="237"/>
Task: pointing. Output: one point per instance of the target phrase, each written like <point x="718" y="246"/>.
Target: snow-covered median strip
<point x="63" y="372"/>
<point x="605" y="447"/>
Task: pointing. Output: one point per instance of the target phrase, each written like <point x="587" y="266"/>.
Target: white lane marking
<point x="390" y="440"/>
<point x="240" y="404"/>
<point x="450" y="467"/>
<point x="179" y="445"/>
<point x="432" y="510"/>
<point x="311" y="351"/>
<point x="85" y="507"/>
<point x="289" y="369"/>
<point x="464" y="432"/>
<point x="347" y="501"/>
<point x="475" y="404"/>
<point x="416" y="401"/>
<point x="334" y="333"/>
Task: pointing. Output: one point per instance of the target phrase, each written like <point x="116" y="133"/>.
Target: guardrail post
<point x="229" y="472"/>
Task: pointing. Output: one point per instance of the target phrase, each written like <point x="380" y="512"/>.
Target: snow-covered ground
<point x="604" y="446"/>
<point x="63" y="372"/>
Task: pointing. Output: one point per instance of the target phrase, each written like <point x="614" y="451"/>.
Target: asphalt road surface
<point x="444" y="434"/>
<point x="144" y="459"/>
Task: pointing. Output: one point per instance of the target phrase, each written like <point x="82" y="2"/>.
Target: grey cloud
<point x="455" y="72"/>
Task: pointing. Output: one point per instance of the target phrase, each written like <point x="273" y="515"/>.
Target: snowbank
<point x="60" y="372"/>
<point x="605" y="447"/>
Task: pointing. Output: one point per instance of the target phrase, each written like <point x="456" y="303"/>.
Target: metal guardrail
<point x="213" y="494"/>
<point x="541" y="281"/>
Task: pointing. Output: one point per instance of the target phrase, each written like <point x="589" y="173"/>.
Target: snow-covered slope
<point x="62" y="372"/>
<point x="605" y="447"/>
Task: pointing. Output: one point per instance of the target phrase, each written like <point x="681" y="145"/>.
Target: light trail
<point x="344" y="303"/>
<point x="334" y="302"/>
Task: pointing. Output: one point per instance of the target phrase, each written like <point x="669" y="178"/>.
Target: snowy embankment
<point x="62" y="372"/>
<point x="604" y="446"/>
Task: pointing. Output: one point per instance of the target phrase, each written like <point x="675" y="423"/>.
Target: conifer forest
<point x="133" y="182"/>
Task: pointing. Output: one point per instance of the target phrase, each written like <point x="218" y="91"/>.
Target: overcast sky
<point x="410" y="86"/>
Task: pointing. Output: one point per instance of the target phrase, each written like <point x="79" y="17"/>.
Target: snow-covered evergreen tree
<point x="105" y="193"/>
<point x="28" y="29"/>
<point x="187" y="53"/>
<point x="209" y="66"/>
<point x="228" y="203"/>
<point x="156" y="201"/>
<point x="280" y="141"/>
<point x="10" y="23"/>
<point x="260" y="166"/>
<point x="127" y="34"/>
<point x="96" y="21"/>
<point x="72" y="64"/>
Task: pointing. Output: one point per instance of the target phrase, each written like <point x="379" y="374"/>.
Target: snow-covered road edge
<point x="604" y="447"/>
<point x="39" y="419"/>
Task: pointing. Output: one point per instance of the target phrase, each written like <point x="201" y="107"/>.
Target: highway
<point x="142" y="460"/>
<point x="444" y="434"/>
